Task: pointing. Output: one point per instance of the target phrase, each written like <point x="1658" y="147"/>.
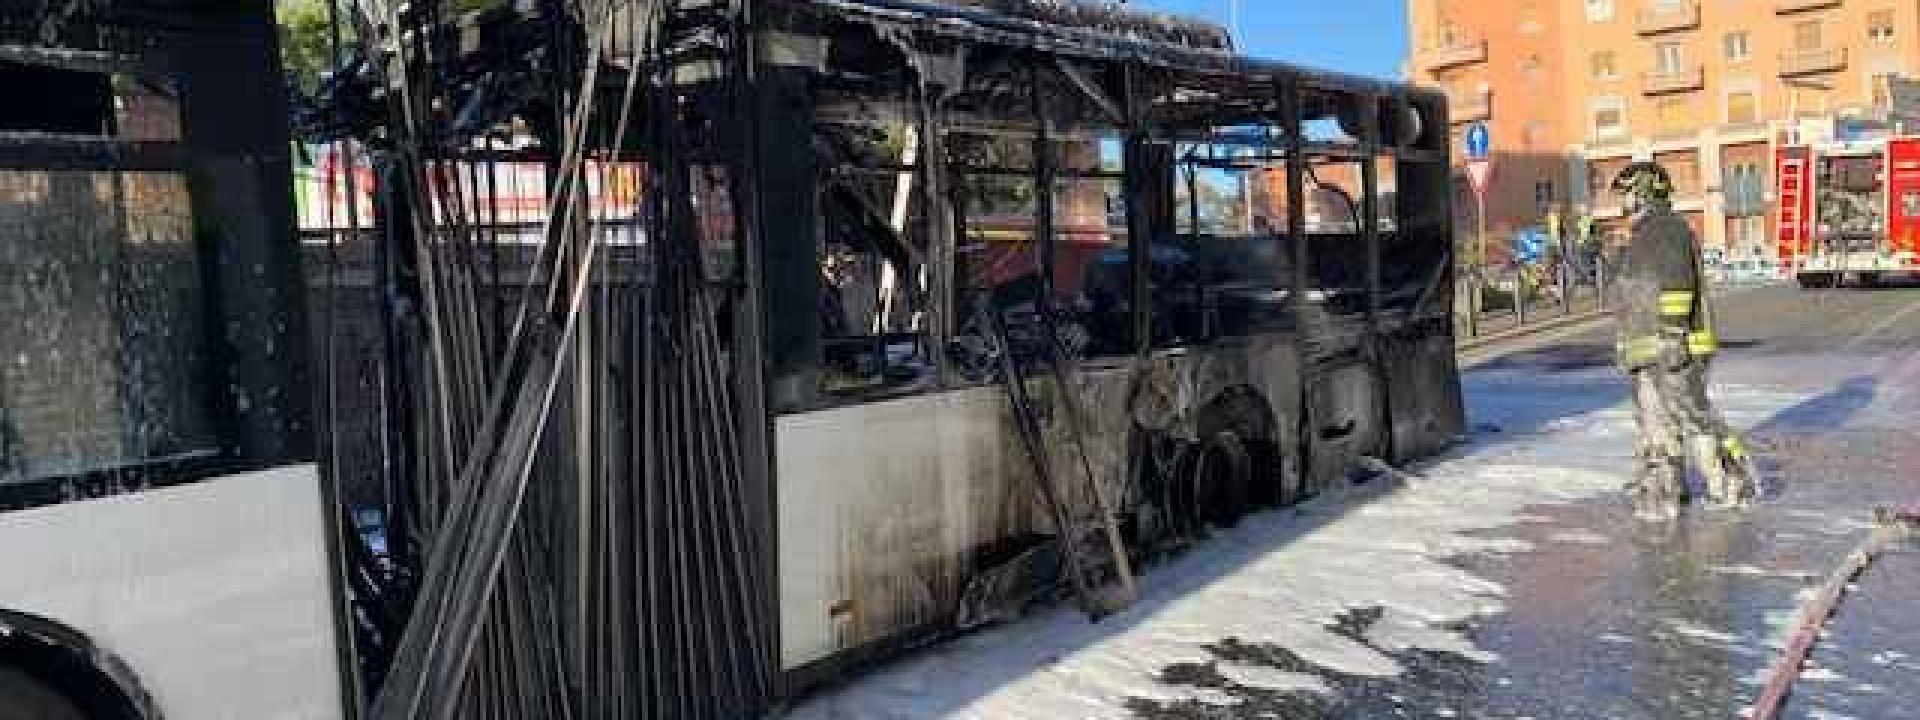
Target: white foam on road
<point x="1280" y="578"/>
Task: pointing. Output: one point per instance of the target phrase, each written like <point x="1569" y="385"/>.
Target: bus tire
<point x="23" y="697"/>
<point x="1223" y="479"/>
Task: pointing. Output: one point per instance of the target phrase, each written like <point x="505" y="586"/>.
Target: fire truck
<point x="1847" y="212"/>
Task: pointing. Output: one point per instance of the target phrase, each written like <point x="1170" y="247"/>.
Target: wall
<point x="1519" y="80"/>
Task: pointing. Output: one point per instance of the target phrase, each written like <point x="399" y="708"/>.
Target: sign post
<point x="1479" y="171"/>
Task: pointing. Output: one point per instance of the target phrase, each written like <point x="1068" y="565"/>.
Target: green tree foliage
<point x="306" y="40"/>
<point x="306" y="33"/>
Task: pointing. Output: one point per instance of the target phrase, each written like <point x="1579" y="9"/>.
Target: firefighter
<point x="1665" y="344"/>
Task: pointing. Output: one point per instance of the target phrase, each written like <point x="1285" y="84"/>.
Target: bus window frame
<point x="1158" y="105"/>
<point x="231" y="303"/>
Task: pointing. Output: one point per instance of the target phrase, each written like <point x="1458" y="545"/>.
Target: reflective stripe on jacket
<point x="1658" y="291"/>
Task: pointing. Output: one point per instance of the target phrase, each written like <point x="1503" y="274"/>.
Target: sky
<point x="1362" y="37"/>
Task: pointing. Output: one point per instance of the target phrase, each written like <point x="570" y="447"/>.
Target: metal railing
<point x="1808" y="62"/>
<point x="1455" y="54"/>
<point x="1668" y="17"/>
<point x="1663" y="82"/>
<point x="1783" y="7"/>
<point x="1471" y="107"/>
<point x="1500" y="299"/>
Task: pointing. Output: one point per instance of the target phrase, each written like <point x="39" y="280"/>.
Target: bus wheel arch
<point x="1240" y="461"/>
<point x="69" y="664"/>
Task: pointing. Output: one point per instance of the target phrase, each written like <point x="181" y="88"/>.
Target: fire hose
<point x="1889" y="526"/>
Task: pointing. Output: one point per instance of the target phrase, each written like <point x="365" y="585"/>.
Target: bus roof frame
<point x="986" y="26"/>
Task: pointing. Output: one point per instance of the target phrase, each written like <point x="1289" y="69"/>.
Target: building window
<point x="1543" y="193"/>
<point x="1668" y="58"/>
<point x="1450" y="35"/>
<point x="1530" y="19"/>
<point x="1877" y="80"/>
<point x="1672" y="115"/>
<point x="1880" y="26"/>
<point x="1609" y="119"/>
<point x="1604" y="66"/>
<point x="1738" y="48"/>
<point x="1599" y="10"/>
<point x="1806" y="35"/>
<point x="1744" y="190"/>
<point x="1742" y="107"/>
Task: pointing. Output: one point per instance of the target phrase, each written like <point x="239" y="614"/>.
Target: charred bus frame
<point x="922" y="301"/>
<point x="1278" y="367"/>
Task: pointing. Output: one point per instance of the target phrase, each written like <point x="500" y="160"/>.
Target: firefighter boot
<point x="1659" y="489"/>
<point x="1733" y="480"/>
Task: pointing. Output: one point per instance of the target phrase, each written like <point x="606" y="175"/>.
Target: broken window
<point x="85" y="94"/>
<point x="1093" y="267"/>
<point x="871" y="258"/>
<point x="1337" y="252"/>
<point x="104" y="364"/>
<point x="1226" y="270"/>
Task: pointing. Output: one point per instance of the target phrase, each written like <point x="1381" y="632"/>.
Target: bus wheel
<point x="24" y="698"/>
<point x="1223" y="479"/>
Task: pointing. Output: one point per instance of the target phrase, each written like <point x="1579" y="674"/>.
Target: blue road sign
<point x="1477" y="141"/>
<point x="1529" y="244"/>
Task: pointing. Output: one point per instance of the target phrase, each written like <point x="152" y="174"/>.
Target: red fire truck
<point x="1848" y="212"/>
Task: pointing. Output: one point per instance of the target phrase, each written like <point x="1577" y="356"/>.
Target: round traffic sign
<point x="1478" y="140"/>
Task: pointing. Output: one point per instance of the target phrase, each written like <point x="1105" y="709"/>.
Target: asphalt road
<point x="1508" y="578"/>
<point x="1606" y="616"/>
<point x="1680" y="622"/>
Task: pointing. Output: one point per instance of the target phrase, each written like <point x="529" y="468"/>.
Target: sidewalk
<point x="1508" y="582"/>
<point x="1494" y="324"/>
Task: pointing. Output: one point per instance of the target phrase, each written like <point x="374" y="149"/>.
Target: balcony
<point x="1455" y="55"/>
<point x="1794" y="63"/>
<point x="1783" y="7"/>
<point x="1667" y="82"/>
<point x="1662" y="18"/>
<point x="1468" y="108"/>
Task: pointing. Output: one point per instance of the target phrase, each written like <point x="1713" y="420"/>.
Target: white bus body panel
<point x="877" y="504"/>
<point x="216" y="594"/>
<point x="882" y="506"/>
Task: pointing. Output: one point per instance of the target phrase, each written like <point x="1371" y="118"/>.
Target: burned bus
<point x="923" y="313"/>
<point x="1139" y="212"/>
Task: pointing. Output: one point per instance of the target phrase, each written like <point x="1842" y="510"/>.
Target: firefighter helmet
<point x="1644" y="182"/>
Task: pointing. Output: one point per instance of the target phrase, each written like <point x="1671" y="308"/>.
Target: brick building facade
<point x="1573" y="90"/>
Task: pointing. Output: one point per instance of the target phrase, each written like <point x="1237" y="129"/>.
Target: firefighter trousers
<point x="1677" y="423"/>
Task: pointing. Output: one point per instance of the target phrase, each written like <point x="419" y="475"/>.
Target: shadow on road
<point x="1826" y="411"/>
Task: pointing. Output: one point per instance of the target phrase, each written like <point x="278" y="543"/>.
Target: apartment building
<point x="1502" y="63"/>
<point x="1707" y="88"/>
